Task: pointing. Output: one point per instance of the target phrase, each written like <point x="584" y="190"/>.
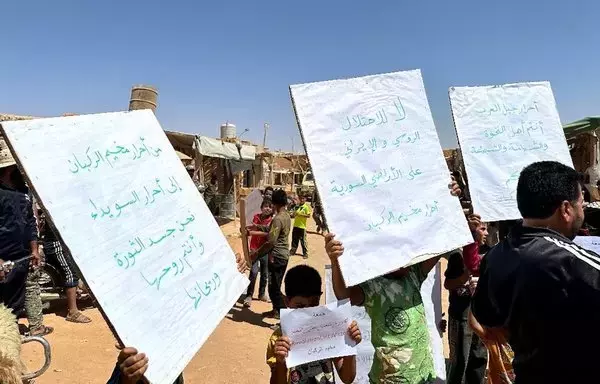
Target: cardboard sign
<point x="501" y="130"/>
<point x="137" y="227"/>
<point x="380" y="171"/>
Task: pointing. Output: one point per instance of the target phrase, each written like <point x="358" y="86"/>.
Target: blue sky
<point x="233" y="60"/>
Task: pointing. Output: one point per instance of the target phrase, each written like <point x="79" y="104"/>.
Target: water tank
<point x="228" y="131"/>
<point x="143" y="97"/>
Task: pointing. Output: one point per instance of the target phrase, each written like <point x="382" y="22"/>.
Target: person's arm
<point x="271" y="240"/>
<point x="260" y="228"/>
<point x="346" y="366"/>
<point x="456" y="275"/>
<point x="455" y="283"/>
<point x="484" y="303"/>
<point x="476" y="327"/>
<point x="497" y="335"/>
<point x="258" y="234"/>
<point x="32" y="233"/>
<point x="335" y="249"/>
<point x="306" y="211"/>
<point x="277" y="351"/>
<point x="279" y="374"/>
<point x="130" y="367"/>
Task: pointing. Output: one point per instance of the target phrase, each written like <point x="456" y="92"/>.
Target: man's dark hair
<point x="302" y="280"/>
<point x="543" y="186"/>
<point x="279" y="198"/>
<point x="269" y="189"/>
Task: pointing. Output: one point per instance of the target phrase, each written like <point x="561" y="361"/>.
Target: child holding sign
<point x="303" y="290"/>
<point x="399" y="327"/>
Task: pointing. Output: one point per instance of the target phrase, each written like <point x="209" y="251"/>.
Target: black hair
<point x="279" y="198"/>
<point x="543" y="186"/>
<point x="265" y="202"/>
<point x="269" y="189"/>
<point x="302" y="280"/>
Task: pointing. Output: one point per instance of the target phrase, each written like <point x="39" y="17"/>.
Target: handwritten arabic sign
<point x="591" y="243"/>
<point x="432" y="301"/>
<point x="365" y="350"/>
<point x="137" y="227"/>
<point x="318" y="333"/>
<point x="379" y="170"/>
<point x="501" y="130"/>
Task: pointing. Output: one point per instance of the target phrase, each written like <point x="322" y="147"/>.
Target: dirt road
<point x="235" y="352"/>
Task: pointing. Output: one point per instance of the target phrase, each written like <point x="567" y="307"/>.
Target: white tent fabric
<point x="217" y="148"/>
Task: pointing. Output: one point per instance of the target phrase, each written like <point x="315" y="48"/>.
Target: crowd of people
<point x="27" y="239"/>
<point x="522" y="310"/>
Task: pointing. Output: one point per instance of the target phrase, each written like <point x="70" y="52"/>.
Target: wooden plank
<point x="244" y="232"/>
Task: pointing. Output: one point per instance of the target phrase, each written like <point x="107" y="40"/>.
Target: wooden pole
<point x="245" y="245"/>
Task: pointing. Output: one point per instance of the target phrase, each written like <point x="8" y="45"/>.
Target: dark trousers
<point x="468" y="354"/>
<point x="277" y="269"/>
<point x="259" y="265"/>
<point x="319" y="219"/>
<point x="299" y="236"/>
<point x="12" y="288"/>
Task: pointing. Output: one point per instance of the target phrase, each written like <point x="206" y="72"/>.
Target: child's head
<point x="302" y="199"/>
<point x="268" y="192"/>
<point x="279" y="198"/>
<point x="481" y="232"/>
<point x="302" y="287"/>
<point x="266" y="207"/>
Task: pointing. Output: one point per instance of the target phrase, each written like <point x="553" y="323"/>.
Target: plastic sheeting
<point x="223" y="150"/>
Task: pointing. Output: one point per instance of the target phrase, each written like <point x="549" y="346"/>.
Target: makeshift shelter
<point x="279" y="169"/>
<point x="223" y="158"/>
<point x="582" y="138"/>
<point x="9" y="117"/>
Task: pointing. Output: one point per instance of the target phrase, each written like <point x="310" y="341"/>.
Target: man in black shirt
<point x="18" y="232"/>
<point x="539" y="289"/>
<point x="468" y="354"/>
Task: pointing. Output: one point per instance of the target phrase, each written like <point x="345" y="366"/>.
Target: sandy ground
<point x="235" y="352"/>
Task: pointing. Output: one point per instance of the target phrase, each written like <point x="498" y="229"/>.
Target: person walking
<point x="54" y="250"/>
<point x="210" y="194"/>
<point x="301" y="213"/>
<point x="319" y="215"/>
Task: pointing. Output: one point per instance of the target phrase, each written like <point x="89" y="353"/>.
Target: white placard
<point x="137" y="228"/>
<point x="591" y="243"/>
<point x="318" y="333"/>
<point x="364" y="350"/>
<point x="432" y="301"/>
<point x="501" y="130"/>
<point x="253" y="203"/>
<point x="380" y="171"/>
